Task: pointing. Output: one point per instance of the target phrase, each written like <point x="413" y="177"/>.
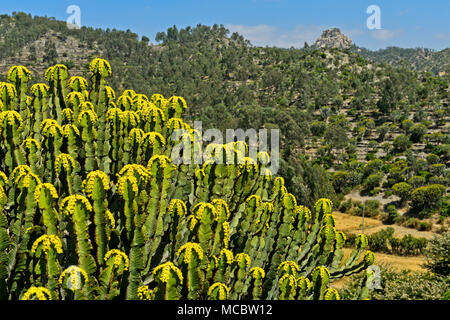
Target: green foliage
<point x="438" y="254"/>
<point x="400" y="285"/>
<point x="101" y="212"/>
<point x="426" y="198"/>
<point x="402" y="190"/>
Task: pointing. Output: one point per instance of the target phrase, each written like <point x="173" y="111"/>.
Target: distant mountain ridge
<point x="418" y="59"/>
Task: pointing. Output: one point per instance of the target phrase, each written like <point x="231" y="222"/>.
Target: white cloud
<point x="266" y="35"/>
<point x="442" y="36"/>
<point x="385" y="34"/>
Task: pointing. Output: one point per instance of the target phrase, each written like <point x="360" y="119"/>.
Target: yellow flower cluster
<point x="144" y="293"/>
<point x="340" y="237"/>
<point x="28" y="143"/>
<point x="220" y="205"/>
<point x="40" y="293"/>
<point x="3" y="197"/>
<point x="45" y="186"/>
<point x="369" y="258"/>
<point x="200" y="208"/>
<point x="68" y="128"/>
<point x="124" y="102"/>
<point x="156" y="97"/>
<point x="114" y="113"/>
<point x="328" y="219"/>
<point x="222" y="288"/>
<point x="47" y="241"/>
<point x="130" y="118"/>
<point x="257" y="272"/>
<point x="303" y="213"/>
<point x="23" y="180"/>
<point x="50" y="127"/>
<point x="244" y="256"/>
<point x="19" y="170"/>
<point x="101" y="66"/>
<point x="163" y="161"/>
<point x="192" y="222"/>
<point x="64" y="160"/>
<point x="325" y="204"/>
<point x="19" y="72"/>
<point x="256" y="198"/>
<point x="12" y="118"/>
<point x="153" y="113"/>
<point x="119" y="258"/>
<point x="249" y="165"/>
<point x="92" y="116"/>
<point x="3" y="179"/>
<point x="73" y="81"/>
<point x="322" y="272"/>
<point x="361" y="241"/>
<point x="129" y="93"/>
<point x="166" y="269"/>
<point x="68" y="204"/>
<point x="331" y="294"/>
<point x="74" y="274"/>
<point x="124" y="180"/>
<point x="290" y="279"/>
<point x="328" y="232"/>
<point x="303" y="283"/>
<point x="67" y="114"/>
<point x="179" y="205"/>
<point x="134" y="170"/>
<point x="75" y="98"/>
<point x="110" y="93"/>
<point x="227" y="254"/>
<point x="188" y="248"/>
<point x="58" y="71"/>
<point x="226" y="233"/>
<point x="176" y="100"/>
<point x="39" y="89"/>
<point x="111" y="219"/>
<point x="175" y="123"/>
<point x="8" y="89"/>
<point x="289" y="201"/>
<point x="88" y="183"/>
<point x="289" y="267"/>
<point x="137" y="135"/>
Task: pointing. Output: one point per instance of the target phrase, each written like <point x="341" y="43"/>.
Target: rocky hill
<point x="333" y="38"/>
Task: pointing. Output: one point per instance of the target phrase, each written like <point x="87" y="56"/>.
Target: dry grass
<point x="353" y="224"/>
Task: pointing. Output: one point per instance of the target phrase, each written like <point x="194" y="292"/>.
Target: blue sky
<point x="283" y="23"/>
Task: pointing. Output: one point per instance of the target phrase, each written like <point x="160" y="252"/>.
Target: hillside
<point x="418" y="59"/>
<point x="368" y="130"/>
<point x="337" y="111"/>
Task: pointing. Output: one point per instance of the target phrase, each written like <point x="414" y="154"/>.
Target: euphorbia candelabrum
<point x="92" y="207"/>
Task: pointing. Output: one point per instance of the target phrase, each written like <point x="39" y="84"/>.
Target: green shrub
<point x="401" y="143"/>
<point x="438" y="254"/>
<point x="427" y="197"/>
<point x="403" y="191"/>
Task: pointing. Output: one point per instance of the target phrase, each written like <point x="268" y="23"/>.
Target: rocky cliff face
<point x="333" y="38"/>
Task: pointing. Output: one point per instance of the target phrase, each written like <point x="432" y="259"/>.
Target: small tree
<point x="417" y="132"/>
<point x="401" y="143"/>
<point x="438" y="254"/>
<point x="403" y="191"/>
<point x="427" y="197"/>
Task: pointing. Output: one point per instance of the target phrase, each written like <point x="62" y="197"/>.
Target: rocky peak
<point x="333" y="38"/>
